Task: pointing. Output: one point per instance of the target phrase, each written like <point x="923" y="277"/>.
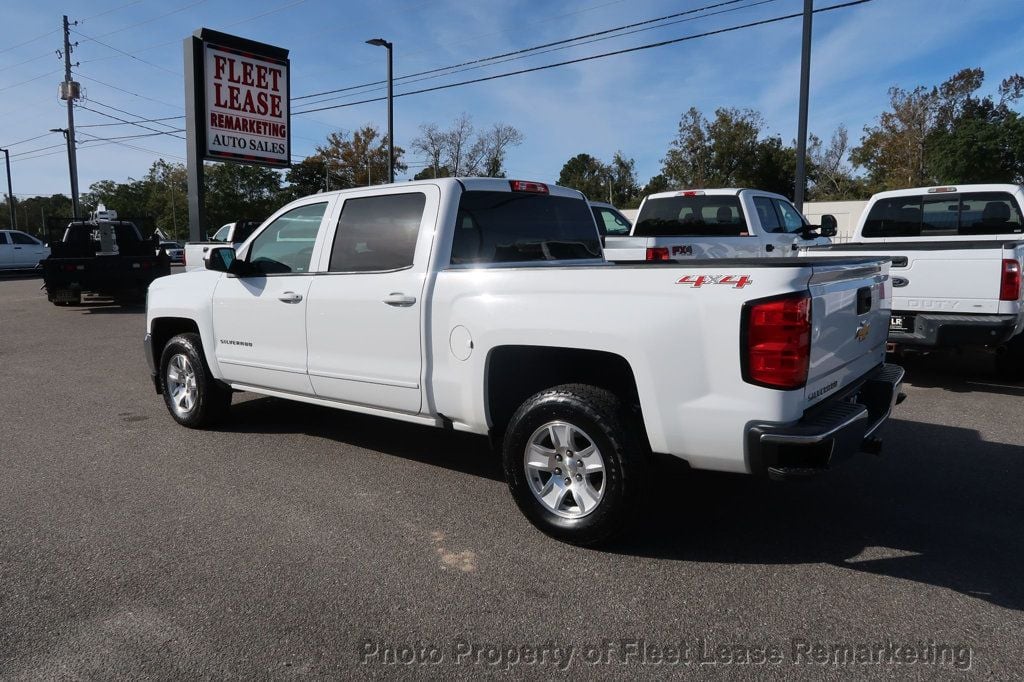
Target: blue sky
<point x="630" y="103"/>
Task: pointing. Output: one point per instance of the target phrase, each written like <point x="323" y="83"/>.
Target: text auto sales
<point x="248" y="89"/>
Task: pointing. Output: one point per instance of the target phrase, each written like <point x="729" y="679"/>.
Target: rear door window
<point x="22" y="238"/>
<point x="3" y="238"/>
<point x="377" y="234"/>
<point x="682" y="216"/>
<point x="767" y="214"/>
<point x="516" y="227"/>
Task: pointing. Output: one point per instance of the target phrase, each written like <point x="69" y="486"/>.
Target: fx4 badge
<point x="862" y="331"/>
<point x="684" y="250"/>
<point x="697" y="281"/>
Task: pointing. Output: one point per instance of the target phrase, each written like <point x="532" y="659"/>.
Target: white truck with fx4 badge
<point x="716" y="223"/>
<point x="485" y="306"/>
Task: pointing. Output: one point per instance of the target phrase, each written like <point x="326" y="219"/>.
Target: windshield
<point x="686" y="216"/>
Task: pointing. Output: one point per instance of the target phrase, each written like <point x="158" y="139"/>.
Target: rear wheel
<point x="193" y="397"/>
<point x="575" y="463"/>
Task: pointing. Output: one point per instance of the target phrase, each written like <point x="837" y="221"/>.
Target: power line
<point x="560" y="46"/>
<point x="142" y="120"/>
<point x="48" y="73"/>
<point x="131" y="146"/>
<point x="128" y="113"/>
<point x="525" y="50"/>
<point x="128" y="92"/>
<point x="139" y="125"/>
<point x="29" y="42"/>
<point x="544" y="67"/>
<point x="40" y="149"/>
<point x="30" y="139"/>
<point x="113" y="9"/>
<point x="127" y="54"/>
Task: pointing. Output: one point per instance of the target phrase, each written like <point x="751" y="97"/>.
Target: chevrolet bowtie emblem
<point x="862" y="331"/>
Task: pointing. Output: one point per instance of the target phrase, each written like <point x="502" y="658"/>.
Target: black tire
<point x="604" y="420"/>
<point x="210" y="400"/>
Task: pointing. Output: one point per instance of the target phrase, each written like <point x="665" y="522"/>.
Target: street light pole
<point x="10" y="192"/>
<point x="805" y="85"/>
<point x="380" y="42"/>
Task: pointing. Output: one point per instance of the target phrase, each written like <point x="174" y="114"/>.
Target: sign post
<point x="237" y="109"/>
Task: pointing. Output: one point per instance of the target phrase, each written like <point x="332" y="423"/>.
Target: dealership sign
<point x="239" y="100"/>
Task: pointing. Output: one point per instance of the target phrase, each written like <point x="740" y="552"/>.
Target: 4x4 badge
<point x="862" y="331"/>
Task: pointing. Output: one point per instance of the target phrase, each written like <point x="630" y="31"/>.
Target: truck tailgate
<point x="938" y="277"/>
<point x="849" y="324"/>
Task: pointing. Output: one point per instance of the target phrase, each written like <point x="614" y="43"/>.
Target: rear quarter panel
<point x="681" y="341"/>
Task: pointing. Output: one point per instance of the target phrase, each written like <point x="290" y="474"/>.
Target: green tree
<point x="625" y="189"/>
<point x="944" y="133"/>
<point x="359" y="158"/>
<point x="728" y="151"/>
<point x="587" y="174"/>
<point x="240" y="192"/>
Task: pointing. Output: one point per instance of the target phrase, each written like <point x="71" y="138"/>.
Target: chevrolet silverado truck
<point x="104" y="257"/>
<point x="485" y="306"/>
<point x="716" y="223"/>
<point x="957" y="255"/>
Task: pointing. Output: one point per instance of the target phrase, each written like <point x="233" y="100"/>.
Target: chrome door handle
<point x="399" y="299"/>
<point x="290" y="297"/>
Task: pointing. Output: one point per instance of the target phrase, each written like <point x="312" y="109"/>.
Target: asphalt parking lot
<point x="298" y="541"/>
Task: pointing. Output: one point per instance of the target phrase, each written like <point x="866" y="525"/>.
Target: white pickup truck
<point x="485" y="306"/>
<point x="716" y="223"/>
<point x="232" y="233"/>
<point x="957" y="255"/>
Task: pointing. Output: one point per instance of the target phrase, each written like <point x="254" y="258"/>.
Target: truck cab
<point x="715" y="223"/>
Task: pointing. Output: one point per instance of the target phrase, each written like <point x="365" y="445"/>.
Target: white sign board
<point x="246" y="107"/>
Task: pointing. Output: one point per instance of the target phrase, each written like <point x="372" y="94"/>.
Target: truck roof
<point x="471" y="183"/>
<point x="717" y="191"/>
<point x="947" y="189"/>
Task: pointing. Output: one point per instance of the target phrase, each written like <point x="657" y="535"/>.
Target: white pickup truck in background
<point x="957" y="255"/>
<point x="232" y="233"/>
<point x="485" y="306"/>
<point x="716" y="223"/>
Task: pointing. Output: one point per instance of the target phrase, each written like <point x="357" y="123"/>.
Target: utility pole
<point x="10" y="192"/>
<point x="805" y="86"/>
<point x="327" y="175"/>
<point x="70" y="91"/>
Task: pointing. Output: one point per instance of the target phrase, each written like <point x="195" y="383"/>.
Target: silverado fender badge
<point x="862" y="331"/>
<point x="697" y="281"/>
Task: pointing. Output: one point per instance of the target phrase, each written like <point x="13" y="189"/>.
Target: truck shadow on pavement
<point x="462" y="452"/>
<point x="969" y="373"/>
<point x="941" y="506"/>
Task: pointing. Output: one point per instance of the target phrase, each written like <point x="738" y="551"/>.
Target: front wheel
<point x="193" y="397"/>
<point x="575" y="463"/>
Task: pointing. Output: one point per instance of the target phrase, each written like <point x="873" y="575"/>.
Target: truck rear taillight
<point x="776" y="338"/>
<point x="1009" y="285"/>
<point x="657" y="253"/>
<point x="528" y="186"/>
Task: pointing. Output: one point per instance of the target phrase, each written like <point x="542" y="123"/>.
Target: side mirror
<point x="222" y="259"/>
<point x="829" y="226"/>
